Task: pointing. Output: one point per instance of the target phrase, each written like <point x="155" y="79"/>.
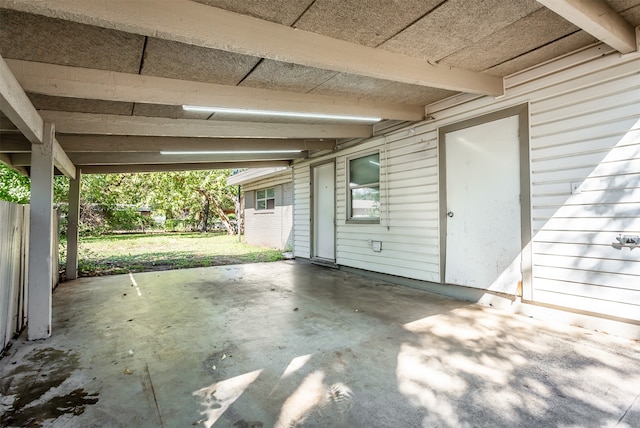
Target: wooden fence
<point x="14" y="268"/>
<point x="14" y="252"/>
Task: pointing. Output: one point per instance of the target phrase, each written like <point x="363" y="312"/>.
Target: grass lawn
<point x="114" y="254"/>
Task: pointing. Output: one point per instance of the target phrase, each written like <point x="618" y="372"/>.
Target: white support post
<point x="41" y="229"/>
<point x="72" y="226"/>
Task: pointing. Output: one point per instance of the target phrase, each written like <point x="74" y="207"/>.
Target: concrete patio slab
<point x="293" y="344"/>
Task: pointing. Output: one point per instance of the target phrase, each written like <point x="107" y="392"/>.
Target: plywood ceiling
<point x="491" y="37"/>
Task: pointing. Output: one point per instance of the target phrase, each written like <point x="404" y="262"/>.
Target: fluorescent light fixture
<point x="280" y="113"/>
<point x="229" y="152"/>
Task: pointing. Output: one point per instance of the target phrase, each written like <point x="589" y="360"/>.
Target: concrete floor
<point x="293" y="344"/>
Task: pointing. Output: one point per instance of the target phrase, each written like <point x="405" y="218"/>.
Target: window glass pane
<point x="365" y="202"/>
<point x="261" y="194"/>
<point x="365" y="170"/>
<point x="271" y="203"/>
<point x="261" y="205"/>
<point x="271" y="193"/>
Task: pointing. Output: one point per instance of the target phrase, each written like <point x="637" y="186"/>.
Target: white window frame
<point x="265" y="199"/>
<point x="361" y="220"/>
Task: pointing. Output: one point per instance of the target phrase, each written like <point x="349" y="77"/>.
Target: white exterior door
<point x="324" y="211"/>
<point x="483" y="242"/>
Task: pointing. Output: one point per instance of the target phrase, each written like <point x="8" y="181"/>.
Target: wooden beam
<point x="113" y="158"/>
<point x="87" y="123"/>
<point x="7" y="126"/>
<point x="114" y="169"/>
<point x="117" y="143"/>
<point x="15" y="104"/>
<point x="599" y="20"/>
<point x="14" y="143"/>
<point x="76" y="82"/>
<point x="62" y="161"/>
<point x="6" y="159"/>
<point x="215" y="28"/>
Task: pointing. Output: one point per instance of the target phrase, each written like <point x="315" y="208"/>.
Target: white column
<point x="72" y="226"/>
<point x="41" y="228"/>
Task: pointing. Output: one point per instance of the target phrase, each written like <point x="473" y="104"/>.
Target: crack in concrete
<point x="153" y="392"/>
<point x="627" y="411"/>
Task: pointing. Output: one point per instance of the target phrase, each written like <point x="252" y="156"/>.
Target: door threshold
<point x="325" y="262"/>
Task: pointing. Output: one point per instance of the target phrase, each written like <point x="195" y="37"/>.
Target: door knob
<point x="450" y="214"/>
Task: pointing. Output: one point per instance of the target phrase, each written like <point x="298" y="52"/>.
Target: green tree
<point x="14" y="187"/>
<point x="196" y="197"/>
<point x="199" y="197"/>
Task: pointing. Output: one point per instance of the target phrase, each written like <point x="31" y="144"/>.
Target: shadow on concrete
<point x="437" y="362"/>
<point x="290" y="344"/>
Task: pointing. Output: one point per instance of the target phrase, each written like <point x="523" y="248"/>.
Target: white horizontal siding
<point x="590" y="303"/>
<point x="409" y="220"/>
<point x="302" y="211"/>
<point x="581" y="276"/>
<point x="584" y="139"/>
<point x="274" y="180"/>
<point x="584" y="132"/>
<point x="591" y="250"/>
<point x="585" y="135"/>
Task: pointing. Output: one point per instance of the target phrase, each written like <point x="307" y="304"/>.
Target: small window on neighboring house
<point x="266" y="199"/>
<point x="364" y="188"/>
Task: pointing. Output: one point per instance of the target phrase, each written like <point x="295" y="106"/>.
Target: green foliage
<point x="60" y="189"/>
<point x="125" y="218"/>
<point x="178" y="225"/>
<point x="111" y="201"/>
<point x="179" y="195"/>
<point x="14" y="187"/>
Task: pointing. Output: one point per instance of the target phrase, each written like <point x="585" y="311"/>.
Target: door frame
<point x="312" y="220"/>
<point x="522" y="111"/>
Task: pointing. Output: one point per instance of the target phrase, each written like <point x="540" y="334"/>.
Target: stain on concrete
<point x="43" y="370"/>
<point x="218" y="363"/>
<point x="248" y="424"/>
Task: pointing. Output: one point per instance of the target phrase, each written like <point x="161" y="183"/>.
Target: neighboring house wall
<point x="270" y="227"/>
<point x="584" y="127"/>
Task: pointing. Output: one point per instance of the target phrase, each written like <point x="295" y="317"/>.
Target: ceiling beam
<point x="113" y="158"/>
<point x="17" y="143"/>
<point x="62" y="161"/>
<point x="76" y="82"/>
<point x="87" y="123"/>
<point x="15" y="104"/>
<point x="597" y="19"/>
<point x="6" y="159"/>
<point x="113" y="169"/>
<point x="211" y="27"/>
<point x="116" y="143"/>
<point x="6" y="126"/>
<point x="14" y="143"/>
